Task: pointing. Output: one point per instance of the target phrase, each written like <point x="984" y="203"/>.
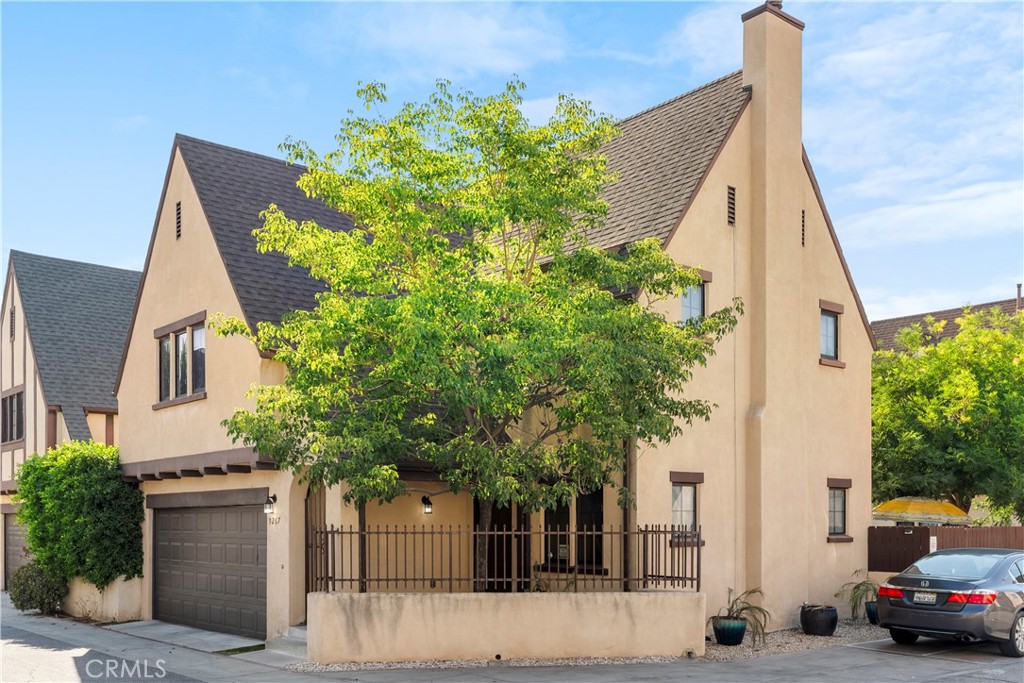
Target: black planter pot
<point x="871" y="609"/>
<point x="729" y="631"/>
<point x="818" y="620"/>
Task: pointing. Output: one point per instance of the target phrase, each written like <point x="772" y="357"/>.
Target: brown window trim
<point x="830" y="306"/>
<point x="13" y="445"/>
<point x="188" y="398"/>
<point x="179" y="325"/>
<point x="705" y="275"/>
<point x="839" y="538"/>
<point x="840" y="483"/>
<point x="831" y="363"/>
<point x="686" y="477"/>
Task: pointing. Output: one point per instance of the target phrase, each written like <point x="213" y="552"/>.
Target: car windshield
<point x="961" y="566"/>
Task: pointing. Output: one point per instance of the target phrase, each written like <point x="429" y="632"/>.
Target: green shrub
<point x="81" y="518"/>
<point x="31" y="587"/>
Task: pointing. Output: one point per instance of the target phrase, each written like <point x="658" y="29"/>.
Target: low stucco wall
<point x="120" y="601"/>
<point x="354" y="627"/>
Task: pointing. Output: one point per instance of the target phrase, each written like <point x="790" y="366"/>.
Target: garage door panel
<point x="15" y="553"/>
<point x="211" y="568"/>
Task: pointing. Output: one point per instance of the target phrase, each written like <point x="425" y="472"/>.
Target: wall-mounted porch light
<point x="428" y="507"/>
<point x="268" y="504"/>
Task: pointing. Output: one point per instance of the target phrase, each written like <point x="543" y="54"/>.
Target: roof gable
<point x="77" y="316"/>
<point x="234" y="187"/>
<point x="661" y="157"/>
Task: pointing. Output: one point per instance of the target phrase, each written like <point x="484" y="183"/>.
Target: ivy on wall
<point x="81" y="518"/>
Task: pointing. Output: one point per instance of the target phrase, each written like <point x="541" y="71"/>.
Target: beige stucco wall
<point x="184" y="276"/>
<point x="120" y="601"/>
<point x="18" y="368"/>
<point x="783" y="424"/>
<point x="401" y="626"/>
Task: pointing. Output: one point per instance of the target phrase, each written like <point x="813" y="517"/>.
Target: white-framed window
<point x="684" y="506"/>
<point x="693" y="304"/>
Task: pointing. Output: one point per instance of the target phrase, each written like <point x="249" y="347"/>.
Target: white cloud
<point x="427" y="41"/>
<point x="967" y="212"/>
<point x="881" y="304"/>
<point x="707" y="42"/>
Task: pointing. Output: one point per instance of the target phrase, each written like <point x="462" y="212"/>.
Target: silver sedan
<point x="967" y="594"/>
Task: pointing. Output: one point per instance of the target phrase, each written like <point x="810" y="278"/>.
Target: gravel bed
<point x="794" y="640"/>
<point x="776" y="643"/>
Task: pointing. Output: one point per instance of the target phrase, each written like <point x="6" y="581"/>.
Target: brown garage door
<point x="211" y="568"/>
<point x="15" y="554"/>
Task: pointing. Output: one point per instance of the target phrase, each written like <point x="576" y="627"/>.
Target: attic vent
<point x="12" y="323"/>
<point x="732" y="205"/>
<point x="803" y="227"/>
<point x="177" y="221"/>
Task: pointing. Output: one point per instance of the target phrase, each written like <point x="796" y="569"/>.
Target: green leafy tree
<point x="948" y="416"/>
<point x="82" y="519"/>
<point x="466" y="323"/>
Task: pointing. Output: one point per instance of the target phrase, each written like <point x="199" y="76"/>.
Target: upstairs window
<point x="829" y="335"/>
<point x="693" y="304"/>
<point x="182" y="360"/>
<point x="831" y="312"/>
<point x="694" y="300"/>
<point x="12" y="415"/>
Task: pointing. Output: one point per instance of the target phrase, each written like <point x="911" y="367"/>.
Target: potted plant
<point x="731" y="622"/>
<point x="818" y="620"/>
<point x="863" y="591"/>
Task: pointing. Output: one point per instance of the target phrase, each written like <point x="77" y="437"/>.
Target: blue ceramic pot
<point x="729" y="631"/>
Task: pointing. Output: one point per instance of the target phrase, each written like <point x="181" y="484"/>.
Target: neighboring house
<point x="885" y="331"/>
<point x="64" y="329"/>
<point x="778" y="482"/>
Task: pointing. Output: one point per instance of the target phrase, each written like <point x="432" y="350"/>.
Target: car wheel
<point x="1014" y="647"/>
<point x="901" y="637"/>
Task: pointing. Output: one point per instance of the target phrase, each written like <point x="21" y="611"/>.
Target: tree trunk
<point x="962" y="501"/>
<point x="486" y="507"/>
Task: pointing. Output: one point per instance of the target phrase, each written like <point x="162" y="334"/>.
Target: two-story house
<point x="778" y="482"/>
<point x="65" y="325"/>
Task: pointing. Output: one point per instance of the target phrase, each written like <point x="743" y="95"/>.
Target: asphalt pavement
<point x="40" y="649"/>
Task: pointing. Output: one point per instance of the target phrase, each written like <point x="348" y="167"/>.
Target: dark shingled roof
<point x="77" y="315"/>
<point x="661" y="157"/>
<point x="886" y="330"/>
<point x="234" y="186"/>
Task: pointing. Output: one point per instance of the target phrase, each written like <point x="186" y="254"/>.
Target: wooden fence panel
<point x="894" y="548"/>
<point x="1011" y="537"/>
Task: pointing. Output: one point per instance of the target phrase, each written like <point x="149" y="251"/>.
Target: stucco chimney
<point x="1018" y="296"/>
<point x="772" y="56"/>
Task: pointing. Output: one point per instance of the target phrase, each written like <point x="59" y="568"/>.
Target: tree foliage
<point x="466" y="322"/>
<point x="948" y="416"/>
<point x="82" y="519"/>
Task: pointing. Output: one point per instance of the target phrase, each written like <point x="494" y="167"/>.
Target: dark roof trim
<point x="707" y="171"/>
<point x="776" y="9"/>
<point x="145" y="270"/>
<point x="839" y="249"/>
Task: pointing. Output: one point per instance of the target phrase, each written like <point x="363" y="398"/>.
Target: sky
<point x="913" y="111"/>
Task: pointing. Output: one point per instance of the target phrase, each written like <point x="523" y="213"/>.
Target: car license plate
<point x="924" y="598"/>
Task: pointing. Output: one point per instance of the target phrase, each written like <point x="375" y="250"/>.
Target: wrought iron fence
<point x="444" y="559"/>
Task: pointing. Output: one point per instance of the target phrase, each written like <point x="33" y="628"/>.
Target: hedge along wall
<point x="82" y="520"/>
